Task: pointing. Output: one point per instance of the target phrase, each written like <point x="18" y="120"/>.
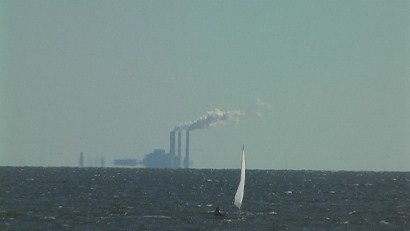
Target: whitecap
<point x="157" y="216"/>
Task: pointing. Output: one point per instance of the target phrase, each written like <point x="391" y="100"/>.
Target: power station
<point x="160" y="159"/>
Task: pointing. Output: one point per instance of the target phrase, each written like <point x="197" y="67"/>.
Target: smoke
<point x="260" y="107"/>
<point x="212" y="118"/>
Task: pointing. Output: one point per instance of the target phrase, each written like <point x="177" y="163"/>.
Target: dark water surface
<point x="184" y="199"/>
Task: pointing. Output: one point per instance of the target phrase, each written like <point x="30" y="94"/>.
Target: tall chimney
<point x="179" y="150"/>
<point x="172" y="143"/>
<point x="81" y="162"/>
<point x="186" y="160"/>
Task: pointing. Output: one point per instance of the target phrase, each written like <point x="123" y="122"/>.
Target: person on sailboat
<point x="219" y="212"/>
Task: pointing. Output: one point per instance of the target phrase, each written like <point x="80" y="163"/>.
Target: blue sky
<point x="324" y="84"/>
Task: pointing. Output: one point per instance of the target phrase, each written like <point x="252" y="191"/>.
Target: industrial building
<point x="160" y="159"/>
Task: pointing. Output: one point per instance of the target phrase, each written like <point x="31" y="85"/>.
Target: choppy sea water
<point x="164" y="199"/>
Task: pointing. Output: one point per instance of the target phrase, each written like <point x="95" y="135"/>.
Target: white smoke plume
<point x="212" y="118"/>
<point x="260" y="107"/>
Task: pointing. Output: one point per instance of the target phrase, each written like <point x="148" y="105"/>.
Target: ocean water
<point x="34" y="198"/>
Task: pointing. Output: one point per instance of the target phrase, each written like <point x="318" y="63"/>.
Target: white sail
<point x="239" y="192"/>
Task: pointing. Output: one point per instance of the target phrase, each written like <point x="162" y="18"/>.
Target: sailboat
<point x="241" y="187"/>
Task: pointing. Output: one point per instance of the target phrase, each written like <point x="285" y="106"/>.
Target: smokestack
<point x="210" y="119"/>
<point x="172" y="143"/>
<point x="81" y="162"/>
<point x="179" y="149"/>
<point x="186" y="160"/>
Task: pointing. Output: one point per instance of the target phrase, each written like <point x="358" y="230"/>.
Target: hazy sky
<point x="324" y="84"/>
